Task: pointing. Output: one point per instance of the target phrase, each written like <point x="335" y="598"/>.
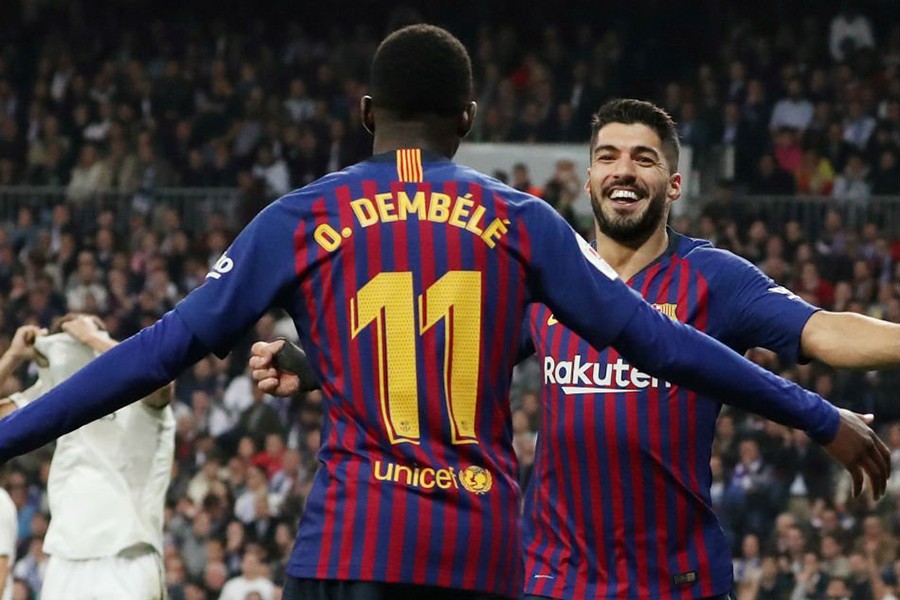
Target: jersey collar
<point x="391" y="156"/>
<point x="674" y="242"/>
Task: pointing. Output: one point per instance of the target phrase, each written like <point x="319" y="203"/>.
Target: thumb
<point x="867" y="418"/>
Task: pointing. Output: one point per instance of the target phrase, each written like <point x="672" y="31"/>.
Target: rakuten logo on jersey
<point x="582" y="377"/>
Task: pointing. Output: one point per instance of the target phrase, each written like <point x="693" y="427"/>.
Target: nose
<point x="624" y="167"/>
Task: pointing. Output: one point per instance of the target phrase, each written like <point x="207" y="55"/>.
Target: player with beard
<point x="632" y="516"/>
<point x="618" y="505"/>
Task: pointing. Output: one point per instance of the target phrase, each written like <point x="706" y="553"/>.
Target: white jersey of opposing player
<point x="9" y="531"/>
<point x="108" y="479"/>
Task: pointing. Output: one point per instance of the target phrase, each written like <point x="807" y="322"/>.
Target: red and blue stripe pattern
<point x="427" y="511"/>
<point x="619" y="503"/>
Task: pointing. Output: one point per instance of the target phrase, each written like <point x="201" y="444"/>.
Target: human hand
<point x="861" y="452"/>
<point x="269" y="378"/>
<point x="83" y="328"/>
<point x="22" y="345"/>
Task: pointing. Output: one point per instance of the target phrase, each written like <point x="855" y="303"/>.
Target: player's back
<point x="407" y="277"/>
<point x="413" y="291"/>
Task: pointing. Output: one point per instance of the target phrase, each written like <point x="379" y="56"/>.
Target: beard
<point x="634" y="229"/>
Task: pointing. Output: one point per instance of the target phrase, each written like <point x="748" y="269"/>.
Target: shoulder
<point x="704" y="256"/>
<point x="504" y="192"/>
<point x="140" y="413"/>
<point x="303" y="199"/>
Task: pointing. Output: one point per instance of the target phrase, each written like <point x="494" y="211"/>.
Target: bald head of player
<point x="421" y="92"/>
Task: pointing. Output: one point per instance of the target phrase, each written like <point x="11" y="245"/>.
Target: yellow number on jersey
<point x="387" y="301"/>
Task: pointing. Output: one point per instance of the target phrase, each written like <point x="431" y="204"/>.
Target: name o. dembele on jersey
<point x="408" y="278"/>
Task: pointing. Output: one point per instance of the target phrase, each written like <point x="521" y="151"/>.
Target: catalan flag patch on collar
<point x="409" y="165"/>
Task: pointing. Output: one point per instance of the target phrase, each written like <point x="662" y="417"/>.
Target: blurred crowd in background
<point x="106" y="96"/>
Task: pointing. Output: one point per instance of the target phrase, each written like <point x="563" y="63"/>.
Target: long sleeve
<point x="124" y="374"/>
<point x="684" y="356"/>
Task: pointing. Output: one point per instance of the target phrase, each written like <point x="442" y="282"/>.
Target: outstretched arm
<point x="850" y="340"/>
<point x="132" y="370"/>
<point x="684" y="356"/>
<point x="246" y="283"/>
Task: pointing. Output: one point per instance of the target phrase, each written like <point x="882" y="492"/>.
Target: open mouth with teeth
<point x="624" y="196"/>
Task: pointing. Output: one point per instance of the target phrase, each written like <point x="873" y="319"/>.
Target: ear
<point x="673" y="192"/>
<point x="367" y="114"/>
<point x="467" y="119"/>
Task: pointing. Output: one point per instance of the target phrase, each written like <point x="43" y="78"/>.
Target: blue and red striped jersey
<point x="619" y="503"/>
<point x="408" y="278"/>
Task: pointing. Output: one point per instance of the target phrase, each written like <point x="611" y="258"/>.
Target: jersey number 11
<point x="388" y="302"/>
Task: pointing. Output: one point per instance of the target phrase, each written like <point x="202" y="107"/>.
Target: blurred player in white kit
<point x="108" y="479"/>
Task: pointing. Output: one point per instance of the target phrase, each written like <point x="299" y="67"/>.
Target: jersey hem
<point x="302" y="571"/>
<point x="719" y="587"/>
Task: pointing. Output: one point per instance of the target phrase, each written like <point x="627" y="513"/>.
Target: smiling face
<point x="631" y="182"/>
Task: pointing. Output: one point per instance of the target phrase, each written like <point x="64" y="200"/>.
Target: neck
<point x="415" y="134"/>
<point x="629" y="259"/>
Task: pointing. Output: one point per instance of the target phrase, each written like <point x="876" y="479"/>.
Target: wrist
<point x="827" y="427"/>
<point x="16" y="357"/>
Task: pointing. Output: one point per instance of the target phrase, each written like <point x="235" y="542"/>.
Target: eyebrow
<point x="634" y="149"/>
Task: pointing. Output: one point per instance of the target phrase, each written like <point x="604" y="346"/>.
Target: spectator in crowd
<point x="833" y="560"/>
<point x="886" y="176"/>
<point x="252" y="579"/>
<point x="858" y="126"/>
<point x="788" y="151"/>
<point x="850" y="31"/>
<point x="521" y="180"/>
<point x="814" y="175"/>
<point x="748" y="567"/>
<point x="32" y="567"/>
<point x="88" y="176"/>
<point x="812" y="582"/>
<point x="747" y="496"/>
<point x="215" y="576"/>
<point x="835" y="148"/>
<point x="273" y="171"/>
<point x="853" y="182"/>
<point x="794" y="110"/>
<point x="563" y="189"/>
<point x="771" y="179"/>
<point x="773" y="583"/>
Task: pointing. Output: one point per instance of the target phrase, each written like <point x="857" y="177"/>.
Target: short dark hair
<point x="421" y="70"/>
<point x="629" y="111"/>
